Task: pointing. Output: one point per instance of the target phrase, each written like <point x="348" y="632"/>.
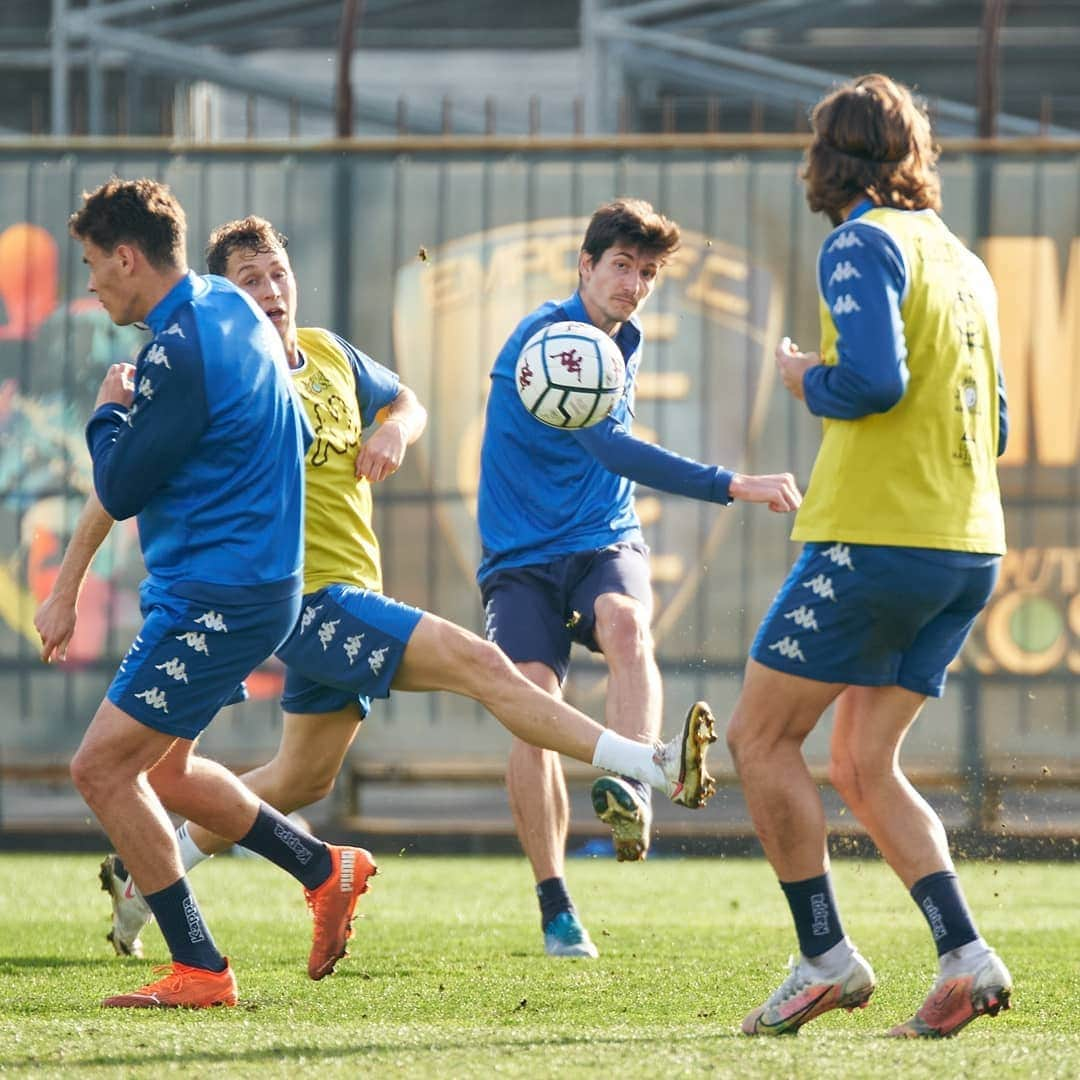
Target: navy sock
<point x="286" y="845"/>
<point x="813" y="907"/>
<point x="181" y="924"/>
<point x="553" y="899"/>
<point x="939" y="898"/>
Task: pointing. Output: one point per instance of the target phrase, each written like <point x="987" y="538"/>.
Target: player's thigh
<point x="118" y="745"/>
<point x="612" y="600"/>
<point x="776" y="707"/>
<point x="444" y="656"/>
<point x="869" y="727"/>
<point x="315" y="744"/>
<point x="345" y="649"/>
<point x="525" y="614"/>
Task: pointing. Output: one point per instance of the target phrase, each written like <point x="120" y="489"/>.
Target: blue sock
<point x="813" y="907"/>
<point x="287" y="845"/>
<point x="939" y="898"/>
<point x="554" y="899"/>
<point x="181" y="924"/>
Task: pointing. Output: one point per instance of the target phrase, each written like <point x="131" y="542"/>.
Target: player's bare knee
<point x="622" y="627"/>
<point x="486" y="664"/>
<point x="845" y="780"/>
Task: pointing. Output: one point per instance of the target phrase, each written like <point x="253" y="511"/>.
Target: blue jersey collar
<point x="860" y="208"/>
<point x="628" y="337"/>
<point x="190" y="285"/>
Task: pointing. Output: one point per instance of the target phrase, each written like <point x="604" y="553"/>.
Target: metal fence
<point x="425" y="252"/>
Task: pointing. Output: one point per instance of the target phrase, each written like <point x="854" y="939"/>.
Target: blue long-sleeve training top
<point x="209" y="456"/>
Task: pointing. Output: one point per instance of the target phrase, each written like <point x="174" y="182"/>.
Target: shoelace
<point x="796" y="981"/>
<point x="173" y="981"/>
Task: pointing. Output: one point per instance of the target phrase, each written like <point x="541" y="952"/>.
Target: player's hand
<point x="381" y="456"/>
<point x="55" y="624"/>
<point x="793" y="365"/>
<point x="779" y="490"/>
<point x="118" y="386"/>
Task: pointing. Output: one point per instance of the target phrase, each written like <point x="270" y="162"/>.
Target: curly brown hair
<point x="245" y="234"/>
<point x="632" y="222"/>
<point x="871" y="137"/>
<point x="143" y="213"/>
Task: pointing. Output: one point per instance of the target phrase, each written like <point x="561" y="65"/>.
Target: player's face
<point x="617" y="284"/>
<point x="267" y="277"/>
<point x="113" y="282"/>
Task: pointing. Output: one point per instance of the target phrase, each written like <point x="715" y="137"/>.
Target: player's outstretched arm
<point x="401" y="423"/>
<point x="778" y="490"/>
<point x="55" y="619"/>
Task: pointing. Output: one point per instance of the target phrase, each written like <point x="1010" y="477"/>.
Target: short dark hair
<point x="143" y="213"/>
<point x="872" y="137"/>
<point x="251" y="233"/>
<point x="632" y="222"/>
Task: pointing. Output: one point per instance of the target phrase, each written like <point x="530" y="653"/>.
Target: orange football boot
<point x="183" y="988"/>
<point x="333" y="903"/>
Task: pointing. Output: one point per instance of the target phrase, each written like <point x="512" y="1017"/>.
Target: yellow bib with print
<point x="923" y="474"/>
<point x="339" y="543"/>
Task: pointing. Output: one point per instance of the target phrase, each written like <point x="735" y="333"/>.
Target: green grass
<point x="449" y="979"/>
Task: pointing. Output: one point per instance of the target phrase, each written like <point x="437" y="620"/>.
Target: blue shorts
<point x="535" y="613"/>
<point x="193" y="652"/>
<point x="346" y="646"/>
<point x="875" y="616"/>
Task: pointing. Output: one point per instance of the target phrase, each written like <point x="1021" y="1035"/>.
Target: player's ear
<point x="126" y="255"/>
<point x="584" y="264"/>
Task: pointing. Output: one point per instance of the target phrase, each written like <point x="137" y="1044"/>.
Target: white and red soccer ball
<point x="570" y="374"/>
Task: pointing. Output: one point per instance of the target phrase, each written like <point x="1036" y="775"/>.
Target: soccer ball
<point x="569" y="375"/>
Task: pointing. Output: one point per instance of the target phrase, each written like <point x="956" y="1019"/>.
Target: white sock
<point x="190" y="853"/>
<point x="958" y="961"/>
<point x="832" y="962"/>
<point x="626" y="757"/>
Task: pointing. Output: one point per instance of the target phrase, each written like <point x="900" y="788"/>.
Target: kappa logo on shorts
<point x="804" y="617"/>
<point x="309" y="616"/>
<point x="174" y="329"/>
<point x="840" y="554"/>
<point x="352" y="647"/>
<point x="195" y="640"/>
<point x="377" y="658"/>
<point x="789" y="648"/>
<point x="155" y="698"/>
<point x="175" y="668"/>
<point x="146" y="388"/>
<point x="327" y="630"/>
<point x="490" y="626"/>
<point x="821" y="586"/>
<point x="213" y="620"/>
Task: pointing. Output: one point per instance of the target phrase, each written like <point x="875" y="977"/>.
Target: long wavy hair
<point x="871" y="137"/>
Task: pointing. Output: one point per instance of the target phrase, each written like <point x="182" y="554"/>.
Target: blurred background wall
<point x="487" y="134"/>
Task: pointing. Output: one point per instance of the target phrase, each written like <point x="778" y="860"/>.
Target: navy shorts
<point x="535" y="613"/>
<point x="346" y="646"/>
<point x="875" y="616"/>
<point x="191" y="655"/>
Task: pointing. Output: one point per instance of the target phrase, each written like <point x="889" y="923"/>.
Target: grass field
<point x="448" y="977"/>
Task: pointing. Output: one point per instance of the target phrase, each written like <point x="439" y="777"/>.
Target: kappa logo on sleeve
<point x="157" y="356"/>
